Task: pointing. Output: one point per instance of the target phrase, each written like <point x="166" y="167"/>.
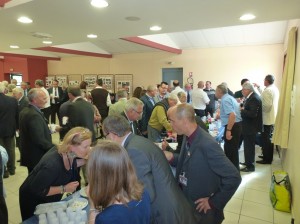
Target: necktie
<point x="132" y="127"/>
<point x="55" y="91"/>
<point x="188" y="97"/>
<point x="152" y="100"/>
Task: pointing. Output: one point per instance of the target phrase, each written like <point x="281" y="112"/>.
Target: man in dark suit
<point x="168" y="204"/>
<point x="56" y="96"/>
<point x="35" y="137"/>
<point x="251" y="113"/>
<point x="80" y="113"/>
<point x="9" y="118"/>
<point x="101" y="98"/>
<point x="148" y="100"/>
<point x="133" y="113"/>
<point x="207" y="178"/>
<point x="25" y="87"/>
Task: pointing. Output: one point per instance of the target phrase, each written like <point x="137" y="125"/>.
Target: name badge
<point x="183" y="179"/>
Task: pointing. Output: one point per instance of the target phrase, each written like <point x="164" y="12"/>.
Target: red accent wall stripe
<point x="28" y="56"/>
<point x="76" y="52"/>
<point x="3" y="2"/>
<point x="152" y="44"/>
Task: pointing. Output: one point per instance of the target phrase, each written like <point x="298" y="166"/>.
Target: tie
<point x="55" y="91"/>
<point x="152" y="100"/>
<point x="188" y="97"/>
<point x="132" y="127"/>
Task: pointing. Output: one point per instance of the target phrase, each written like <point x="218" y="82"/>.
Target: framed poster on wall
<point x="90" y="79"/>
<point x="62" y="79"/>
<point x="108" y="82"/>
<point x="49" y="80"/>
<point x="74" y="80"/>
<point x="123" y="82"/>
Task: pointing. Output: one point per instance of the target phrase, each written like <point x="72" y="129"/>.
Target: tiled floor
<point x="249" y="205"/>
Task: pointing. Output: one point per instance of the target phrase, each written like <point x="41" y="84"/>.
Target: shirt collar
<point x="191" y="138"/>
<point x="125" y="138"/>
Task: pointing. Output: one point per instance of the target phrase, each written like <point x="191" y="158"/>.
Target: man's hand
<point x="228" y="135"/>
<point x="202" y="205"/>
<point x="169" y="155"/>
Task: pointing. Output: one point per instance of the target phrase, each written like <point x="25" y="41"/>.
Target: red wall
<point x="30" y="68"/>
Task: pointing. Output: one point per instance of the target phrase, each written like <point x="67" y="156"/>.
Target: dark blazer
<point x="9" y="116"/>
<point x="135" y="124"/>
<point x="252" y="115"/>
<point x="168" y="204"/>
<point x="35" y="137"/>
<point x="23" y="103"/>
<point x="60" y="94"/>
<point x="99" y="97"/>
<point x="81" y="114"/>
<point x="147" y="111"/>
<point x="209" y="172"/>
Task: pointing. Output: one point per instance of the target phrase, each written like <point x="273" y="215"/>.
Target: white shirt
<point x="48" y="97"/>
<point x="269" y="98"/>
<point x="177" y="90"/>
<point x="199" y="99"/>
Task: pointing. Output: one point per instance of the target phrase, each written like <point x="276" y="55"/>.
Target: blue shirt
<point x="228" y="105"/>
<point x="135" y="212"/>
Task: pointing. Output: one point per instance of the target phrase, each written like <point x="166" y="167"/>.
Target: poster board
<point x="74" y="80"/>
<point x="62" y="79"/>
<point x="108" y="82"/>
<point x="124" y="82"/>
<point x="49" y="80"/>
<point x="90" y="79"/>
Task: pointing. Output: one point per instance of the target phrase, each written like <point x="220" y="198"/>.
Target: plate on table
<point x="78" y="203"/>
<point x="83" y="192"/>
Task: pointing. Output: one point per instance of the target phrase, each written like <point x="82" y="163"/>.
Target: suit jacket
<point x="60" y="95"/>
<point x="208" y="171"/>
<point x="147" y="111"/>
<point x="35" y="137"/>
<point x="9" y="116"/>
<point x="135" y="125"/>
<point x="81" y="114"/>
<point x="23" y="103"/>
<point x="99" y="97"/>
<point x="252" y="115"/>
<point x="168" y="204"/>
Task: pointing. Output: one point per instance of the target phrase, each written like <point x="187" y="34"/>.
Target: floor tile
<point x="257" y="211"/>
<point x="234" y="205"/>
<point x="231" y="218"/>
<point x="257" y="196"/>
<point x="249" y="220"/>
<point x="239" y="193"/>
<point x="282" y="217"/>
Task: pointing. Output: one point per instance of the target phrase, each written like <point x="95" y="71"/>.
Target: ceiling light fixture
<point x="99" y="3"/>
<point x="92" y="36"/>
<point x="155" y="28"/>
<point x="14" y="46"/>
<point x="246" y="17"/>
<point x="24" y="19"/>
<point x="47" y="42"/>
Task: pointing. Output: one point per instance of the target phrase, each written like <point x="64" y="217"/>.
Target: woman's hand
<point x="72" y="186"/>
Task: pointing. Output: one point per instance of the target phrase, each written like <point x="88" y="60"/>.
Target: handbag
<point x="280" y="191"/>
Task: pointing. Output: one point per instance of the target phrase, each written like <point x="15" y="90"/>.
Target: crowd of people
<point x="111" y="139"/>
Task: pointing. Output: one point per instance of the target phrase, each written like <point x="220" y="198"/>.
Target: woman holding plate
<point x="56" y="173"/>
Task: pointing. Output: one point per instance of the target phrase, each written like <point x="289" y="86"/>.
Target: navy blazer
<point x="168" y="204"/>
<point x="252" y="115"/>
<point x="208" y="170"/>
<point x="9" y="116"/>
<point x="147" y="111"/>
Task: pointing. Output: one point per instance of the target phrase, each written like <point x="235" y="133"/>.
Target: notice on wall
<point x="49" y="80"/>
<point x="62" y="79"/>
<point x="90" y="79"/>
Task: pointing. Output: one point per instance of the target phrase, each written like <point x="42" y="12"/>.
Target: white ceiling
<point x="185" y="24"/>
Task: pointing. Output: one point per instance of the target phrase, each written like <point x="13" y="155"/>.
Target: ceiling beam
<point x="3" y="2"/>
<point x="28" y="56"/>
<point x="76" y="52"/>
<point x="148" y="43"/>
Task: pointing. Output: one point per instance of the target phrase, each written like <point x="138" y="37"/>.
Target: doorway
<point x="170" y="74"/>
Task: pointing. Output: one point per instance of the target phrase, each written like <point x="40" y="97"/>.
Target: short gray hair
<point x="33" y="94"/>
<point x="18" y="90"/>
<point x="39" y="82"/>
<point x="74" y="90"/>
<point x="133" y="103"/>
<point x="180" y="94"/>
<point x="151" y="88"/>
<point x="122" y="93"/>
<point x="222" y="88"/>
<point x="173" y="96"/>
<point x="2" y="87"/>
<point x="10" y="87"/>
<point x="248" y="85"/>
<point x="117" y="125"/>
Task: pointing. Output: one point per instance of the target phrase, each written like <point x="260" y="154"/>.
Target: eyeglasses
<point x="138" y="111"/>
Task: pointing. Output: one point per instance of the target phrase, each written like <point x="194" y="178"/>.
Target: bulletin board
<point x="108" y="82"/>
<point x="62" y="79"/>
<point x="74" y="80"/>
<point x="124" y="82"/>
<point x="90" y="79"/>
<point x="49" y="80"/>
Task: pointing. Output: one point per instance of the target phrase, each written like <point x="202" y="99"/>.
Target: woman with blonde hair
<point x="56" y="173"/>
<point x="116" y="195"/>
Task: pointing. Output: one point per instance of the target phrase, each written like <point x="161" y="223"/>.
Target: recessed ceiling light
<point x="247" y="17"/>
<point x="14" y="46"/>
<point x="155" y="28"/>
<point x="47" y="42"/>
<point x="93" y="36"/>
<point x="24" y="19"/>
<point x="99" y="3"/>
